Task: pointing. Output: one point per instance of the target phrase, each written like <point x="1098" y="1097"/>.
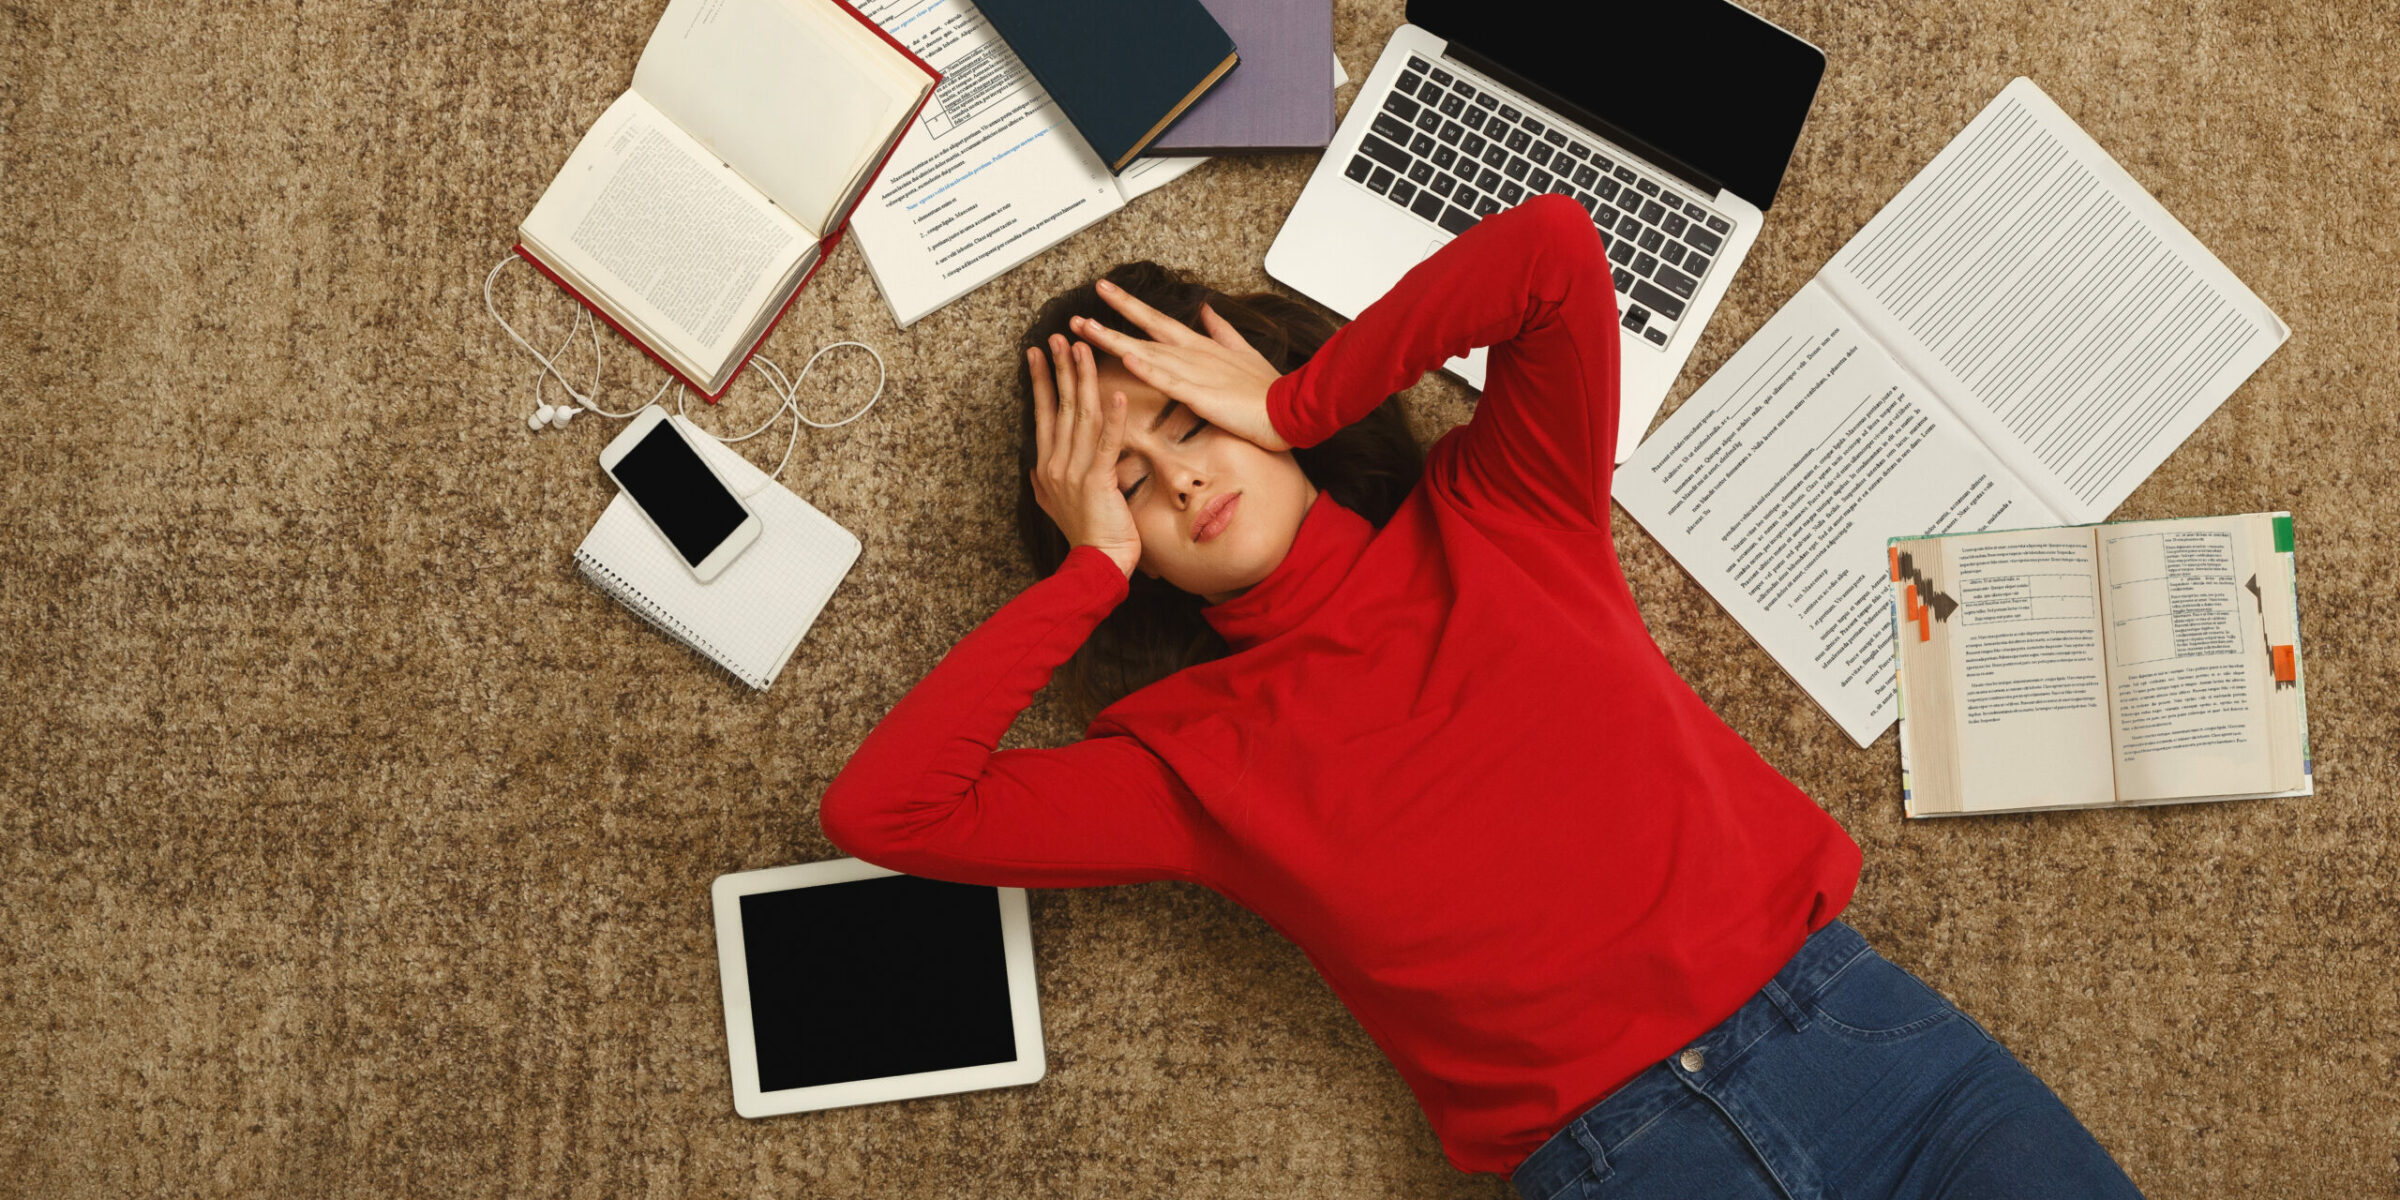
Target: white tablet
<point x="847" y="984"/>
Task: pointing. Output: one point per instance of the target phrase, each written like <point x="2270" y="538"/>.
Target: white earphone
<point x="556" y="416"/>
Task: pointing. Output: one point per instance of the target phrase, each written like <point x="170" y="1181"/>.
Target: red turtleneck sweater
<point x="1444" y="758"/>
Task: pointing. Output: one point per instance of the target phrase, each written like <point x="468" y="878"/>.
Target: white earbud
<point x="561" y="415"/>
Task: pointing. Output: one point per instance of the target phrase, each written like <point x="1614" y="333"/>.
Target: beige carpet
<point x="351" y="845"/>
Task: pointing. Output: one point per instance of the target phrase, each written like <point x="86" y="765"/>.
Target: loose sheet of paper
<point x="1778" y="483"/>
<point x="2066" y="317"/>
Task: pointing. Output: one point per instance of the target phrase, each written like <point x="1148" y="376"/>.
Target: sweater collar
<point x="1330" y="540"/>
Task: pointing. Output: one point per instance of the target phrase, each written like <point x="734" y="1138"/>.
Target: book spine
<point x="623" y="592"/>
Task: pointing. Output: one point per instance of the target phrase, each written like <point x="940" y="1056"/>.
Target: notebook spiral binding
<point x="632" y="598"/>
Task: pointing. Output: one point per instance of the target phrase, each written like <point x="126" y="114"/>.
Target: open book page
<point x="990" y="174"/>
<point x="1778" y="483"/>
<point x="2073" y="324"/>
<point x="794" y="94"/>
<point x="646" y="222"/>
<point x="2191" y="659"/>
<point x="2003" y="659"/>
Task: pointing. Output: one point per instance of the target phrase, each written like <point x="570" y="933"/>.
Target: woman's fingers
<point x="1087" y="412"/>
<point x="1112" y="437"/>
<point x="1045" y="404"/>
<point x="1222" y="332"/>
<point x="1145" y="318"/>
<point x="1107" y="339"/>
<point x="1062" y="366"/>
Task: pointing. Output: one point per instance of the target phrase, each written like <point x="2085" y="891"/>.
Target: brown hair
<point x="1369" y="467"/>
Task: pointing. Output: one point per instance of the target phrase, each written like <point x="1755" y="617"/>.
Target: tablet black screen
<point x="877" y="977"/>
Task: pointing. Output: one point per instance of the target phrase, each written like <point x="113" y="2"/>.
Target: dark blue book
<point x="1122" y="70"/>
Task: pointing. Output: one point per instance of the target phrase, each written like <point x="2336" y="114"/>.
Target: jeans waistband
<point x="1582" y="1145"/>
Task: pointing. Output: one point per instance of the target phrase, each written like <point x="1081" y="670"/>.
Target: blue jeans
<point x="1844" y="1078"/>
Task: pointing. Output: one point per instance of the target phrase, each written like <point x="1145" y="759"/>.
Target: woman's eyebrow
<point x="1163" y="413"/>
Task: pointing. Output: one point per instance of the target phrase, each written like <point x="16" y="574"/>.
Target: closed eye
<point x="1198" y="423"/>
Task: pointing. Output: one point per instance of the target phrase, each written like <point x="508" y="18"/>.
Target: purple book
<point x="1279" y="98"/>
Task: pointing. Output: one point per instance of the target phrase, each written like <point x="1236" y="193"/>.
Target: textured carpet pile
<point x="351" y="845"/>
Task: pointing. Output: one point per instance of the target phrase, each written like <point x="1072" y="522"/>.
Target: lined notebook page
<point x="751" y="617"/>
<point x="2060" y="311"/>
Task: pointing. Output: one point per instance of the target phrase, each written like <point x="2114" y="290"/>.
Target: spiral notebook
<point x="750" y="618"/>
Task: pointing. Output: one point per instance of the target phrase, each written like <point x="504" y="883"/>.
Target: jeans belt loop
<point x="1792" y="1012"/>
<point x="1601" y="1170"/>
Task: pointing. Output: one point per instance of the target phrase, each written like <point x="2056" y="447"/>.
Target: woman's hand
<point x="1076" y="439"/>
<point x="1219" y="376"/>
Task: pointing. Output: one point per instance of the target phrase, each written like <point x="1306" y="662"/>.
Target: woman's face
<point x="1216" y="512"/>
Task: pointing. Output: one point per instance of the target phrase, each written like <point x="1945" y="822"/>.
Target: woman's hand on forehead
<point x="1076" y="439"/>
<point x="1218" y="375"/>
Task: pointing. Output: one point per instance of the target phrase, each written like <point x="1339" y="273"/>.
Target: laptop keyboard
<point x="1454" y="152"/>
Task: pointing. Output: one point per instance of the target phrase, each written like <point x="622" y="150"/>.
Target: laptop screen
<point x="1707" y="84"/>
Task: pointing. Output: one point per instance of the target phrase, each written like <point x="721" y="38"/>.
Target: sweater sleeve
<point x="1533" y="284"/>
<point x="927" y="794"/>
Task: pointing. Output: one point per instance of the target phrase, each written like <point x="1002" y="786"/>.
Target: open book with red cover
<point x="698" y="205"/>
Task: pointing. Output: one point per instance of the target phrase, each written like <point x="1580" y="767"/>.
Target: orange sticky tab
<point x="1894" y="551"/>
<point x="1924" y="624"/>
<point x="1909" y="602"/>
<point x="2286" y="670"/>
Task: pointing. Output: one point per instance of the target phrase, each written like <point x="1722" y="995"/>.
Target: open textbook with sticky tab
<point x="2142" y="662"/>
<point x="2019" y="338"/>
<point x="697" y="206"/>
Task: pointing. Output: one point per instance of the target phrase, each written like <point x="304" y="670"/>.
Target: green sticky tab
<point x="2283" y="534"/>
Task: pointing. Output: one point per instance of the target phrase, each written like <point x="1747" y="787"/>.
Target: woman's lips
<point x="1215" y="517"/>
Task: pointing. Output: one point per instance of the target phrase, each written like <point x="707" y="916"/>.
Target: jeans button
<point x="1693" y="1059"/>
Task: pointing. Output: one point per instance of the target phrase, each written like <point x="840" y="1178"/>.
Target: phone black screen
<point x="665" y="476"/>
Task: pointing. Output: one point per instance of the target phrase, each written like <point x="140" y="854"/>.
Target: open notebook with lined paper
<point x="751" y="617"/>
<point x="2018" y="339"/>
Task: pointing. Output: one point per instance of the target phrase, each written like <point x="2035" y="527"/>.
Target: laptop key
<point x="1672" y="254"/>
<point x="1463" y="88"/>
<point x="1606" y="189"/>
<point x="1651" y="212"/>
<point x="1359" y="168"/>
<point x="1466" y="196"/>
<point x="1409" y="79"/>
<point x="1538" y="182"/>
<point x="1421" y="145"/>
<point x="1560" y="187"/>
<point x="1486" y="207"/>
<point x="1628" y="228"/>
<point x="1586" y="177"/>
<point x="1702" y="240"/>
<point x="1532" y="126"/>
<point x="1497" y="129"/>
<point x="1603" y="162"/>
<point x="1635" y="317"/>
<point x="1442" y="185"/>
<point x="1651" y="239"/>
<point x="1657" y="336"/>
<point x="1621" y="252"/>
<point x="1430" y="92"/>
<point x="1451" y="131"/>
<point x="1676" y="281"/>
<point x="1455" y="221"/>
<point x="1381" y="180"/>
<point x="1489" y="180"/>
<point x="1426" y="205"/>
<point x="1674" y="224"/>
<point x="1511" y="113"/>
<point x="1472" y="119"/>
<point x="1695" y="264"/>
<point x="1540" y="153"/>
<point x="1452" y="106"/>
<point x="1384" y="152"/>
<point x="1625" y="174"/>
<point x="1429" y="120"/>
<point x="1649" y="187"/>
<point x="1420" y="173"/>
<point x="1587" y="201"/>
<point x="1516" y="167"/>
<point x="1486" y="99"/>
<point x="1389" y="128"/>
<point x="1473" y="146"/>
<point x="1555" y="138"/>
<point x="1444" y="157"/>
<point x="1401" y="106"/>
<point x="1519" y="140"/>
<point x="1673" y="202"/>
<point x="1621" y="277"/>
<point x="1403" y="192"/>
<point x="1643" y="264"/>
<point x="1693" y="208"/>
<point x="1657" y="301"/>
<point x="1510" y="193"/>
<point x="1443" y="77"/>
<point x="1420" y="66"/>
<point x="1495" y="155"/>
<point x="1720" y="225"/>
<point x="1579" y="150"/>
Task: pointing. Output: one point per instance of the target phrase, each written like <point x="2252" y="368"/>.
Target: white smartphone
<point x="655" y="463"/>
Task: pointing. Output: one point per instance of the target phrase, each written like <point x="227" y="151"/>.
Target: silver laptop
<point x="1670" y="123"/>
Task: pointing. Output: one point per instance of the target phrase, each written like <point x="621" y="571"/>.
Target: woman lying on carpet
<point x="1419" y="727"/>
